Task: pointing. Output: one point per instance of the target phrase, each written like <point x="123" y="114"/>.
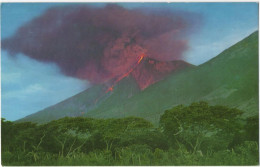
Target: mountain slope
<point x="229" y="79"/>
<point x="82" y="102"/>
<point x="93" y="98"/>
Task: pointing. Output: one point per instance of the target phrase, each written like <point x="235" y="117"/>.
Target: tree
<point x="200" y="123"/>
<point x="112" y="130"/>
<point x="252" y="128"/>
<point x="8" y="132"/>
<point x="66" y="135"/>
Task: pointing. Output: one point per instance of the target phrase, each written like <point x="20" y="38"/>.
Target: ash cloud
<point x="99" y="44"/>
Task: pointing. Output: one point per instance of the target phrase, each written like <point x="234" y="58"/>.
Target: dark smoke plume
<point x="99" y="44"/>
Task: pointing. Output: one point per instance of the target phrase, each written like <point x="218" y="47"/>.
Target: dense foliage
<point x="198" y="134"/>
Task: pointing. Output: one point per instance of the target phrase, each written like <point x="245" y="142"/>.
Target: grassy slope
<point x="229" y="79"/>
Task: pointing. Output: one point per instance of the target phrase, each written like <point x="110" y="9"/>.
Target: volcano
<point x="229" y="79"/>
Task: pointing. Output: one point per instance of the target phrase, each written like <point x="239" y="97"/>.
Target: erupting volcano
<point x="104" y="45"/>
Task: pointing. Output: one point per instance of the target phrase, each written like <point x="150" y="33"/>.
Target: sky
<point x="28" y="86"/>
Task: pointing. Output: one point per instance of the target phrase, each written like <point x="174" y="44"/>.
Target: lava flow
<point x="111" y="88"/>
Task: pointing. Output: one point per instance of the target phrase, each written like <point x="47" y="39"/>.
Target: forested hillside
<point x="197" y="134"/>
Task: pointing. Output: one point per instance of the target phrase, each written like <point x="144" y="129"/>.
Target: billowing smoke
<point x="100" y="44"/>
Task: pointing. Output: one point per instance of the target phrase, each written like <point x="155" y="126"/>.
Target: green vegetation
<point x="198" y="134"/>
<point x="229" y="79"/>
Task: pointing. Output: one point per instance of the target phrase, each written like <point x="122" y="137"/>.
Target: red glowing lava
<point x="110" y="89"/>
<point x="140" y="59"/>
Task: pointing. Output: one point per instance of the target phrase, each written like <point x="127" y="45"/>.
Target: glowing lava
<point x="110" y="89"/>
<point x="140" y="59"/>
